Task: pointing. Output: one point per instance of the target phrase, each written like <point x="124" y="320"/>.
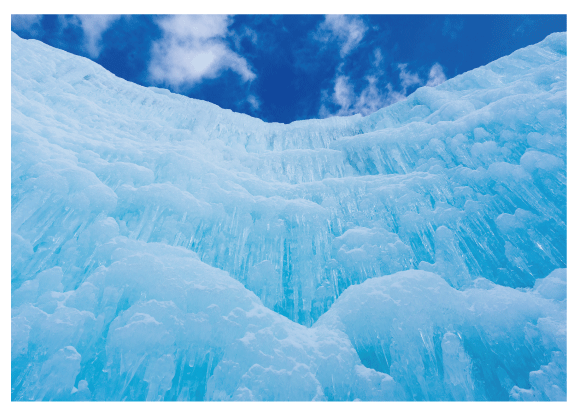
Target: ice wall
<point x="159" y="242"/>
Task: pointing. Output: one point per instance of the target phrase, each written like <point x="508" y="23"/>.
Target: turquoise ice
<point x="166" y="249"/>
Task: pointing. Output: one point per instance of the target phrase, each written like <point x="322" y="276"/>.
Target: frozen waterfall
<point x="166" y="249"/>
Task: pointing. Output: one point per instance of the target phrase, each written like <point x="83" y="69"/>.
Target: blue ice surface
<point x="166" y="249"/>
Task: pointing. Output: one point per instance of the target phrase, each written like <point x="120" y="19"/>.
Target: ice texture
<point x="166" y="249"/>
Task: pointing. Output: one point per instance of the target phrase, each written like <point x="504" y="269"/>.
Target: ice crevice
<point x="166" y="249"/>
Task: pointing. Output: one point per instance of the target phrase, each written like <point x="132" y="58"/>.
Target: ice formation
<point x="166" y="249"/>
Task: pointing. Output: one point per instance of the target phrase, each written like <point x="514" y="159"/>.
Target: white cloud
<point x="378" y="57"/>
<point x="26" y="22"/>
<point x="246" y="32"/>
<point x="93" y="26"/>
<point x="436" y="76"/>
<point x="408" y="79"/>
<point x="347" y="31"/>
<point x="370" y="100"/>
<point x="193" y="48"/>
<point x="253" y="102"/>
<point x="343" y="94"/>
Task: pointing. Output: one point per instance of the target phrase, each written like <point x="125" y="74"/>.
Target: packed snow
<point x="166" y="249"/>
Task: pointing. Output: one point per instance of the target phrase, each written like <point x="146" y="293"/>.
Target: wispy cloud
<point x="27" y="22"/>
<point x="368" y="101"/>
<point x="377" y="58"/>
<point x="193" y="48"/>
<point x="408" y="79"/>
<point x="239" y="36"/>
<point x="94" y="26"/>
<point x="436" y="75"/>
<point x="346" y="31"/>
<point x="253" y="102"/>
<point x="343" y="94"/>
<point x="344" y="101"/>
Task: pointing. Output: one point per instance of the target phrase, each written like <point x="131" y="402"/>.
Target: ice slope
<point x="160" y="243"/>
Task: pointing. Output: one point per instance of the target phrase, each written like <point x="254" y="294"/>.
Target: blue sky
<point x="290" y="67"/>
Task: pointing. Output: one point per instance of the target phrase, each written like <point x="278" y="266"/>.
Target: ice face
<point x="166" y="249"/>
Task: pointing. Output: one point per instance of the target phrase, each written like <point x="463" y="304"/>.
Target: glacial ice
<point x="166" y="249"/>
